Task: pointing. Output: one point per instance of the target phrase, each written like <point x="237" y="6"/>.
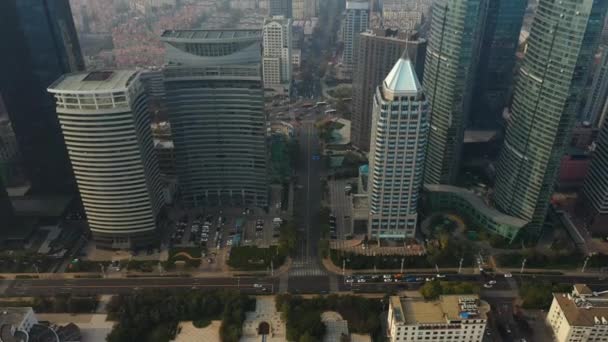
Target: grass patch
<point x="434" y="289"/>
<point x="201" y="323"/>
<point x="251" y="258"/>
<point x="539" y="294"/>
<point x="26" y="276"/>
<point x="88" y="276"/>
<point x="557" y="261"/>
<point x="190" y="256"/>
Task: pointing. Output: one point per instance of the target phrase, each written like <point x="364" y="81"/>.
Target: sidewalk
<point x="134" y="274"/>
<point x="330" y="267"/>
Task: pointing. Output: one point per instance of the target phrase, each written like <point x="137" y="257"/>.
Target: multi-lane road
<point x="254" y="285"/>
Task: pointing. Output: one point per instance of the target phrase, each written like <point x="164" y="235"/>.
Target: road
<point x="304" y="284"/>
<point x="308" y="196"/>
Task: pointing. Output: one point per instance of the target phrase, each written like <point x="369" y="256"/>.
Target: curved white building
<point x="106" y="126"/>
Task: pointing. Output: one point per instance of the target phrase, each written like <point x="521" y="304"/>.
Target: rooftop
<point x="402" y="79"/>
<point x="13" y="315"/>
<point x="584" y="307"/>
<point x="209" y="34"/>
<point x="94" y="81"/>
<point x="448" y="308"/>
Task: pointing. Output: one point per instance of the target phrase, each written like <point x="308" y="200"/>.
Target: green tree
<point x="306" y="338"/>
<point x="431" y="289"/>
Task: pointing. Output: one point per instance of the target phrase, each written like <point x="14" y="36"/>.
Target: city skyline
<point x="246" y="170"/>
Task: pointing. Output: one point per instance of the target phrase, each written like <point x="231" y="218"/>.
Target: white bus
<point x="330" y="111"/>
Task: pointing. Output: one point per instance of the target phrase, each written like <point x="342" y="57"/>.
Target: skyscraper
<point x="595" y="189"/>
<point x="449" y="74"/>
<point x="400" y="127"/>
<point x="297" y="10"/>
<point x="378" y="52"/>
<point x="279" y="7"/>
<point x="563" y="40"/>
<point x="496" y="62"/>
<point x="7" y="216"/>
<point x="596" y="106"/>
<point x="215" y="98"/>
<point x="311" y="8"/>
<point x="276" y="60"/>
<point x="105" y="120"/>
<point x="41" y="45"/>
<point x="356" y="21"/>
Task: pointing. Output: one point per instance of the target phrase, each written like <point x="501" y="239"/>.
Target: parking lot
<point x="215" y="229"/>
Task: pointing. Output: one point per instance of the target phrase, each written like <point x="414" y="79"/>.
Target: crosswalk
<point x="306" y="269"/>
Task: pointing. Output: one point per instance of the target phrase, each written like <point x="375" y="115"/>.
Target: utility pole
<point x="343" y="267"/>
<point x="103" y="273"/>
<point x="437" y="268"/>
<point x="37" y="271"/>
<point x="271" y="268"/>
<point x="585" y="264"/>
<point x="402" y="261"/>
<point x="523" y="265"/>
<point x="460" y="265"/>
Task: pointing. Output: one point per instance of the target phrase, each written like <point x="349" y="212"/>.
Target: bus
<point x="321" y="103"/>
<point x="330" y="111"/>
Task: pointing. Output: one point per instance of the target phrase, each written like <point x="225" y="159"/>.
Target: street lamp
<point x="585" y="264"/>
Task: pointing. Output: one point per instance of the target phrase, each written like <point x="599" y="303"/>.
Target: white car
<point x="349" y="280"/>
<point x="257" y="286"/>
<point x="492" y="282"/>
<point x="439" y="276"/>
<point x="487" y="286"/>
<point x="387" y="276"/>
<point x="360" y="280"/>
<point x="388" y="280"/>
<point x="508" y="275"/>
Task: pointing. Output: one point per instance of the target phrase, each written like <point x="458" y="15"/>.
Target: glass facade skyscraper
<point x="215" y="97"/>
<point x="40" y="45"/>
<point x="496" y="62"/>
<point x="553" y="74"/>
<point x="449" y="75"/>
<point x="7" y="215"/>
<point x="378" y="51"/>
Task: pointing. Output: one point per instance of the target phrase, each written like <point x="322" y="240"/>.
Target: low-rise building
<point x="580" y="316"/>
<point x="450" y="318"/>
<point x="440" y="197"/>
<point x="16" y="323"/>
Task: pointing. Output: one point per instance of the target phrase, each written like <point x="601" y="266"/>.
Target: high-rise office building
<point x="553" y="74"/>
<point x="106" y="124"/>
<point x="279" y="7"/>
<point x="405" y="15"/>
<point x="449" y="75"/>
<point x="497" y="62"/>
<point x="7" y="216"/>
<point x="41" y="45"/>
<point x="596" y="106"/>
<point x="297" y="9"/>
<point x="311" y="8"/>
<point x="276" y="60"/>
<point x="595" y="188"/>
<point x="355" y="22"/>
<point x="215" y="98"/>
<point x="396" y="159"/>
<point x="378" y="52"/>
